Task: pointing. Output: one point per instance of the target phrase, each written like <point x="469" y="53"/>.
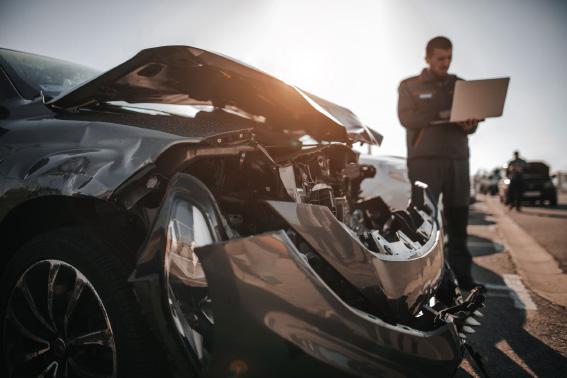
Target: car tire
<point x="61" y="286"/>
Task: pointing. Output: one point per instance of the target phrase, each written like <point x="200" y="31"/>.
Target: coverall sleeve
<point x="411" y="115"/>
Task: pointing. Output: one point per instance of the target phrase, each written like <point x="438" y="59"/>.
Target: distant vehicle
<point x="476" y="182"/>
<point x="538" y="185"/>
<point x="489" y="182"/>
<point x="473" y="192"/>
<point x="391" y="181"/>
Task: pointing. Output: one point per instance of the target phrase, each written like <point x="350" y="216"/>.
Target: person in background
<point x="515" y="172"/>
<point x="438" y="150"/>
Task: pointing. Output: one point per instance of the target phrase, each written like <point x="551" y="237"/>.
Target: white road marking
<point x="522" y="298"/>
<point x="514" y="289"/>
<point x="539" y="269"/>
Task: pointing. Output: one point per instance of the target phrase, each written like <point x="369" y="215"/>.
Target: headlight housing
<point x="186" y="230"/>
<point x="186" y="284"/>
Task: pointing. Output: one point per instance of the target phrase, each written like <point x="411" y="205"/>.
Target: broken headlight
<point x="187" y="230"/>
<point x="187" y="289"/>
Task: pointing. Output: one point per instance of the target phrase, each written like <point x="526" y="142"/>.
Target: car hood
<point x="183" y="75"/>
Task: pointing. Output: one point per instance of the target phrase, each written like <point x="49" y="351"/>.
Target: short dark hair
<point x="438" y="43"/>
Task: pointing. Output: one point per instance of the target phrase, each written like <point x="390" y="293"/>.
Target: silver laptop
<point x="478" y="99"/>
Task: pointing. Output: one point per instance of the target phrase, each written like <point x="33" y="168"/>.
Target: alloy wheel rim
<point x="56" y="325"/>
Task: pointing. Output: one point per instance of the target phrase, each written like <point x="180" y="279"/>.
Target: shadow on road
<point x="508" y="349"/>
<point x="479" y="218"/>
<point x="479" y="246"/>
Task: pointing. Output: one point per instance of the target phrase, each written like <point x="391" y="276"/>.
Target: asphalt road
<point x="548" y="226"/>
<point x="521" y="334"/>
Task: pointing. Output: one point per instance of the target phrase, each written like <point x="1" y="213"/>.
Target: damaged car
<point x="184" y="214"/>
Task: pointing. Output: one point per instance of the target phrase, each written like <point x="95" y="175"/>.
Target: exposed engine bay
<point x="244" y="180"/>
<point x="327" y="175"/>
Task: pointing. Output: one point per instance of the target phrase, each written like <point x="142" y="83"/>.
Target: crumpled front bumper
<point x="274" y="315"/>
<point x="399" y="286"/>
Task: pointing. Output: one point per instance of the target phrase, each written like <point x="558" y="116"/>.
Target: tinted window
<point x="538" y="169"/>
<point x="40" y="73"/>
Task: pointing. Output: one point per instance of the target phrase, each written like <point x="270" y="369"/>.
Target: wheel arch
<point x="43" y="214"/>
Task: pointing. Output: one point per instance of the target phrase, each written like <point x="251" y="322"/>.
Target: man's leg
<point x="519" y="193"/>
<point x="515" y="194"/>
<point x="428" y="171"/>
<point x="459" y="256"/>
<point x="511" y="195"/>
<point x="456" y="199"/>
<point x="452" y="179"/>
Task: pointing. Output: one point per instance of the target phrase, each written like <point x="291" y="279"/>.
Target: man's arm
<point x="411" y="115"/>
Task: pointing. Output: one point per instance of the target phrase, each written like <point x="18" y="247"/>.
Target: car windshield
<point x="35" y="73"/>
<point x="538" y="169"/>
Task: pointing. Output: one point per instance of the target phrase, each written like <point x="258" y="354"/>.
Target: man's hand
<point x="469" y="124"/>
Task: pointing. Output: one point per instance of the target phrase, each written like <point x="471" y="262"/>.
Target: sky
<point x="353" y="53"/>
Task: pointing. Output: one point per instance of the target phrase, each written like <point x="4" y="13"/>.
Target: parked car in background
<point x="560" y="181"/>
<point x="472" y="193"/>
<point x="391" y="181"/>
<point x="477" y="179"/>
<point x="183" y="214"/>
<point x="538" y="185"/>
<point x="489" y="182"/>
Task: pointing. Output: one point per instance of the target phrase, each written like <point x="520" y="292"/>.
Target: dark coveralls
<point x="438" y="155"/>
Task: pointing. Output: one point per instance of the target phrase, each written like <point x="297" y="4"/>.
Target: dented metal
<point x="263" y="287"/>
<point x="184" y="75"/>
<point x="401" y="285"/>
<point x="263" y="306"/>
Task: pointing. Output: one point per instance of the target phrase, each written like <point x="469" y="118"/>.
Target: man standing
<point x="515" y="173"/>
<point x="438" y="151"/>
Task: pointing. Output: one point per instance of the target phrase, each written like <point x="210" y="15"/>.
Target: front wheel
<point x="67" y="311"/>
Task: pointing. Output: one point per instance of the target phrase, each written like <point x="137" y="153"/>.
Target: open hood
<point x="182" y="75"/>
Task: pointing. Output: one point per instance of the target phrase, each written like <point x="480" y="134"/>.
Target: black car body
<point x="537" y="186"/>
<point x="231" y="201"/>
